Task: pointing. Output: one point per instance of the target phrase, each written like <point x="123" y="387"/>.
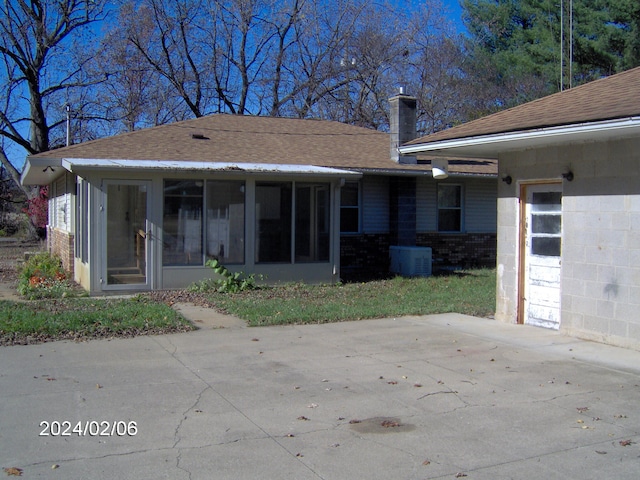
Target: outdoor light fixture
<point x="507" y="179"/>
<point x="440" y="169"/>
<point x="568" y="176"/>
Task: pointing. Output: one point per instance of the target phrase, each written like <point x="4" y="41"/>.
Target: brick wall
<point x="61" y="243"/>
<point x="366" y="257"/>
<point x="461" y="250"/>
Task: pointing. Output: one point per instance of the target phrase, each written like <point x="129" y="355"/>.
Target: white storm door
<point x="126" y="254"/>
<point x="542" y="260"/>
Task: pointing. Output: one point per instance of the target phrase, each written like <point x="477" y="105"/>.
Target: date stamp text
<point x="91" y="428"/>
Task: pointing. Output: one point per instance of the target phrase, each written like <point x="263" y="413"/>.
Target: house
<point x="568" y="206"/>
<point x="289" y="199"/>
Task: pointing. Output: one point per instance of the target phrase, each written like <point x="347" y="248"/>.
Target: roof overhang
<point x="492" y="145"/>
<point x="43" y="171"/>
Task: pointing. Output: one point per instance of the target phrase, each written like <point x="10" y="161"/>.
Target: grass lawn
<point x="469" y="292"/>
<point x="82" y="318"/>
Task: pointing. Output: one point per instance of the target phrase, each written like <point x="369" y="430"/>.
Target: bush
<point x="42" y="276"/>
<point x="227" y="283"/>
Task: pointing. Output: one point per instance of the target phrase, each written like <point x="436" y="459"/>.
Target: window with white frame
<point x="350" y="207"/>
<point x="449" y="207"/>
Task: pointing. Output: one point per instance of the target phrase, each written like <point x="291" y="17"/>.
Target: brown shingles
<point x="617" y="96"/>
<point x="248" y="139"/>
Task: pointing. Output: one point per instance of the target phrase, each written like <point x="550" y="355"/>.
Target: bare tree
<point x="38" y="68"/>
<point x="168" y="36"/>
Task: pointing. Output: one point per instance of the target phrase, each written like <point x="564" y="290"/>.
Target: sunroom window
<point x="225" y="221"/>
<point x="182" y="221"/>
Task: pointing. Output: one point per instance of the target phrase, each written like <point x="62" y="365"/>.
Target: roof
<point x="236" y="139"/>
<point x="606" y="101"/>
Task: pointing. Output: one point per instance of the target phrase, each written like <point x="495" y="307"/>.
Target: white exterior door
<point x="126" y="239"/>
<point x="542" y="255"/>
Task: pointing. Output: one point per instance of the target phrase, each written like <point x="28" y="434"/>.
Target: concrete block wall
<point x="600" y="279"/>
<point x="601" y="249"/>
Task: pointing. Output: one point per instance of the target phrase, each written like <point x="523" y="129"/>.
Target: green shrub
<point x="228" y="282"/>
<point x="42" y="276"/>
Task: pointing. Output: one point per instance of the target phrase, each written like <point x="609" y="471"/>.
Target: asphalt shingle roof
<point x="250" y="139"/>
<point x="617" y="96"/>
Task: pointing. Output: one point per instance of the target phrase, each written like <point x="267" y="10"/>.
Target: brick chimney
<point x="402" y="124"/>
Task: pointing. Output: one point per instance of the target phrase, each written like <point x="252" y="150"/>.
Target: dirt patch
<point x="12" y="252"/>
<point x="380" y="425"/>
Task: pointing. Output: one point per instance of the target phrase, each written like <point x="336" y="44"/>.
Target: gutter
<point x="557" y="133"/>
<point x="419" y="173"/>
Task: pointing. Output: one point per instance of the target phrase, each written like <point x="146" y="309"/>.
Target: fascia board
<point x="497" y="143"/>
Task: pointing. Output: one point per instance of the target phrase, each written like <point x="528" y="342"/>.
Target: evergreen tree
<point x="530" y="48"/>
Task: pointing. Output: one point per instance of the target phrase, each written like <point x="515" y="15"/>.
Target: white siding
<point x="60" y="204"/>
<point x="375" y="204"/>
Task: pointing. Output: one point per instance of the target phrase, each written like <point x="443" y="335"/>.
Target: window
<point x="350" y="208"/>
<point x="312" y="222"/>
<point x="546" y="224"/>
<point x="277" y="222"/>
<point x="182" y="220"/>
<point x="449" y="208"/>
<point x="82" y="225"/>
<point x="225" y="221"/>
<point x="273" y="222"/>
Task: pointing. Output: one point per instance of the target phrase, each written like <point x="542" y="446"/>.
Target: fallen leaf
<point x="582" y="409"/>
<point x="16" y="472"/>
<point x="50" y="379"/>
<point x="54" y="466"/>
<point x="255" y="339"/>
<point x="98" y="385"/>
<point x="299" y="455"/>
<point x="302" y="417"/>
<point x="355" y="421"/>
<point x="619" y="416"/>
<point x="580" y="421"/>
<point x="426" y="462"/>
<point x="290" y="435"/>
<point x="417" y="385"/>
<point x="601" y="452"/>
<point x="625" y="443"/>
<point x="392" y="382"/>
<point x="460" y="474"/>
<point x="313" y="405"/>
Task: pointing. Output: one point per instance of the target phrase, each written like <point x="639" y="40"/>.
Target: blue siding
<point x="375" y="204"/>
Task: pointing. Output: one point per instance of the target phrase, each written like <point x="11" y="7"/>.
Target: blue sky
<point x="455" y="13"/>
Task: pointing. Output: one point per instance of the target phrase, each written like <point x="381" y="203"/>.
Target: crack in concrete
<point x="226" y="400"/>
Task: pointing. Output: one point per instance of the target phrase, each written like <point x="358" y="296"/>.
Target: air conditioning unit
<point x="410" y="261"/>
